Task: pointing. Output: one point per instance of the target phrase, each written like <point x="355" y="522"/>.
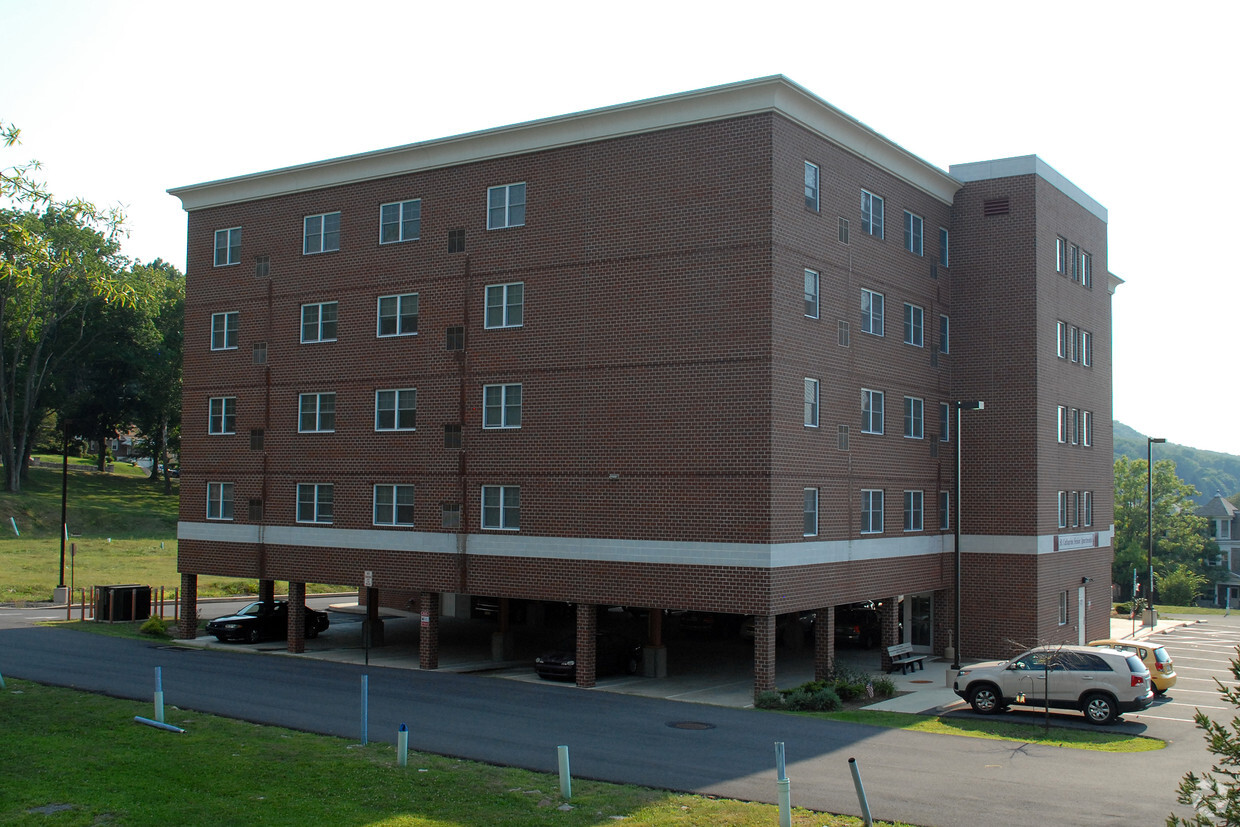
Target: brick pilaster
<point x="428" y="630"/>
<point x="763" y="654"/>
<point x="587" y="644"/>
<point x="187" y="623"/>
<point x="296" y="617"/>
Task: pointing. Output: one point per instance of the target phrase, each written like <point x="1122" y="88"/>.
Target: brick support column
<point x="889" y="620"/>
<point x="187" y="623"/>
<point x="587" y="644"/>
<point x="824" y="643"/>
<point x="266" y="590"/>
<point x="763" y="654"/>
<point x="296" y="617"/>
<point x="428" y="630"/>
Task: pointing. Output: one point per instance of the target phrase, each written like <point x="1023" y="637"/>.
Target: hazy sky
<point x="1131" y="102"/>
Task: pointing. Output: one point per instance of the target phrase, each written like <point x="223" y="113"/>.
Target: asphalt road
<point x="911" y="777"/>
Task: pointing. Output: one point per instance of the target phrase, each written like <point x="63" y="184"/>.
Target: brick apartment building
<point x="701" y="352"/>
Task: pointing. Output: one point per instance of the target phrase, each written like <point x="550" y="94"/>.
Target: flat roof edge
<point x="775" y="93"/>
<point x="1027" y="165"/>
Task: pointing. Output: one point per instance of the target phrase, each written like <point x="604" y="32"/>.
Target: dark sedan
<point x="264" y="621"/>
<point x="613" y="654"/>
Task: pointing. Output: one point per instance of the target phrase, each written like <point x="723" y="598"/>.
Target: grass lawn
<point x="122" y="529"/>
<point x="85" y="761"/>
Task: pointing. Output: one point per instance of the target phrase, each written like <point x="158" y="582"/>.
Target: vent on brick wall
<point x="454" y="338"/>
<point x="934" y="449"/>
<point x="256" y="511"/>
<point x="843" y="333"/>
<point x="452" y="436"/>
<point x="262" y="266"/>
<point x="456" y="241"/>
<point x="259" y="353"/>
<point x="996" y="206"/>
<point x="843" y="230"/>
<point x="843" y="437"/>
<point x="934" y="271"/>
<point x="934" y="358"/>
<point x="450" y="515"/>
<point x="256" y="439"/>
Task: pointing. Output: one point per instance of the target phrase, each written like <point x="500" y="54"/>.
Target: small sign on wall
<point x="369" y="579"/>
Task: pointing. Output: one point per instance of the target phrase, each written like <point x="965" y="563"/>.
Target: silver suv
<point x="1100" y="682"/>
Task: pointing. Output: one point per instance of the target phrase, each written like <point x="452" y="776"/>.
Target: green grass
<point x="85" y="753"/>
<point x="1070" y="738"/>
<point x="122" y="529"/>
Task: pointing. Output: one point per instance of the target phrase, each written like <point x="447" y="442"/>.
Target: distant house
<point x="1224" y="529"/>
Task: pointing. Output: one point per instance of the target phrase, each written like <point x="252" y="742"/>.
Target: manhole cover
<point x="690" y="725"/>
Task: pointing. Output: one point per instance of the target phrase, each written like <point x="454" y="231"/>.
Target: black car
<point x="857" y="625"/>
<point x="613" y="654"/>
<point x="264" y="621"/>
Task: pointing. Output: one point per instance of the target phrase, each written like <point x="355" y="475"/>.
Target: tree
<point x="58" y="260"/>
<point x="1179" y="534"/>
<point x="1181" y="586"/>
<point x="157" y="395"/>
<point x="1215" y="795"/>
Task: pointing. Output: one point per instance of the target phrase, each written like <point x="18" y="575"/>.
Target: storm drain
<point x="690" y="725"/>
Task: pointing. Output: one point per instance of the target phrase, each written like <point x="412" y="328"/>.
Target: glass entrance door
<point x="919" y="621"/>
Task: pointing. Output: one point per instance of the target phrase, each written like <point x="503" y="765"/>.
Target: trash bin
<point x="125" y="602"/>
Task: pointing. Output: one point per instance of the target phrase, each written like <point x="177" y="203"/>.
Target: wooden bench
<point x="902" y="656"/>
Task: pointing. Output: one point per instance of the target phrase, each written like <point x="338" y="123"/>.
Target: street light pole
<point x="1149" y="525"/>
<point x="975" y="405"/>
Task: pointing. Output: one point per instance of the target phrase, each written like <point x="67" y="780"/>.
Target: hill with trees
<point x="1210" y="472"/>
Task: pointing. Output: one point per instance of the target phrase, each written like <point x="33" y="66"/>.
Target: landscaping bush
<point x="155" y="626"/>
<point x="770" y="699"/>
<point x="1123" y="608"/>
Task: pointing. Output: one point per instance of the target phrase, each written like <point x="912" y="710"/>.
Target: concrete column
<point x="502" y="644"/>
<point x="373" y="628"/>
<point x="587" y="645"/>
<point x="824" y="643"/>
<point x="187" y="623"/>
<point x="428" y="631"/>
<point x="654" y="653"/>
<point x="296" y="617"/>
<point x="763" y="654"/>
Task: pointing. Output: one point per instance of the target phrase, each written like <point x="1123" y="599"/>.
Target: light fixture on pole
<point x="1149" y="525"/>
<point x="974" y="405"/>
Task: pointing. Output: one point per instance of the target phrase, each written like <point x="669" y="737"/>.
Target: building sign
<point x="1072" y="542"/>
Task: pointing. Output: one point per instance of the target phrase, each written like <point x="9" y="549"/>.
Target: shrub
<point x="884" y="686"/>
<point x="155" y="627"/>
<point x="770" y="699"/>
<point x="1123" y="608"/>
<point x="825" y="700"/>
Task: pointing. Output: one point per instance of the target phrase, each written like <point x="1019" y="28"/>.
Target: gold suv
<point x="1153" y="655"/>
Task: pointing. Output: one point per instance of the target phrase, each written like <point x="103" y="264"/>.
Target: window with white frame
<point x="396" y="410"/>
<point x="1087" y="428"/>
<point x="1074" y="253"/>
<point x="1075" y="508"/>
<point x="393" y="505"/>
<point x="810" y="513"/>
<point x="316" y="413"/>
<point x="501" y="406"/>
<point x="228" y="247"/>
<point x="400" y="221"/>
<point x="811" y="186"/>
<point x="1224" y="529"/>
<point x="1063" y="509"/>
<point x="1062" y="417"/>
<point x="872" y="312"/>
<point x="219" y="501"/>
<point x="811" y="294"/>
<point x="811" y="403"/>
<point x="1072" y="343"/>
<point x="912" y="511"/>
<point x="944" y="335"/>
<point x="871" y="214"/>
<point x="1087" y="348"/>
<point x="320" y="233"/>
<point x="224" y="331"/>
<point x="314" y="502"/>
<point x="318" y="322"/>
<point x="1063" y="608"/>
<point x="1061" y="336"/>
<point x="398" y="315"/>
<point x="505" y="305"/>
<point x="871" y="511"/>
<point x="944" y="258"/>
<point x="1087" y="508"/>
<point x="222" y="415"/>
<point x="505" y="206"/>
<point x="913" y="233"/>
<point x="1075" y="417"/>
<point x="945" y="422"/>
<point x="914" y="319"/>
<point x="945" y="512"/>
<point x="1085" y="274"/>
<point x="871" y="411"/>
<point x="1061" y="255"/>
<point x="914" y="424"/>
<point x="501" y="507"/>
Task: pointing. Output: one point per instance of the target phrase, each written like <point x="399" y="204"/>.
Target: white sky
<point x="1133" y="102"/>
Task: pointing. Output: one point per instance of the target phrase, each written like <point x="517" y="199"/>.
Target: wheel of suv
<point x="1099" y="709"/>
<point x="985" y="699"/>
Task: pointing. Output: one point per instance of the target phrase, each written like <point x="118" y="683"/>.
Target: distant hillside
<point x="1210" y="471"/>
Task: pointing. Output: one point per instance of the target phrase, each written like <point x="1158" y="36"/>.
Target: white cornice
<point x="771" y="94"/>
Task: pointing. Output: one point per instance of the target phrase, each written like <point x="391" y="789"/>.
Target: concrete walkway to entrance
<point x="722" y="681"/>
